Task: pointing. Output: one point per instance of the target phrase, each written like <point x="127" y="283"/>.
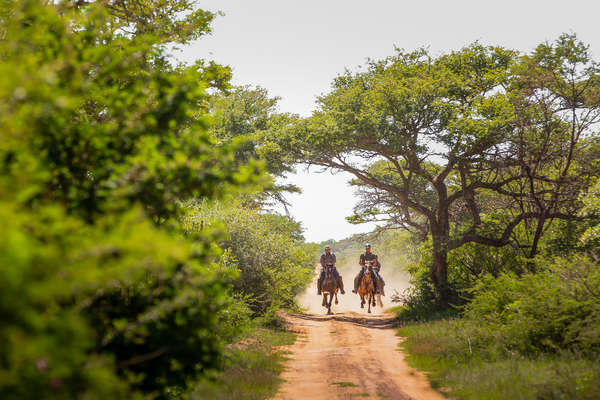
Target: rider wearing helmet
<point x="367" y="257"/>
<point x="329" y="258"/>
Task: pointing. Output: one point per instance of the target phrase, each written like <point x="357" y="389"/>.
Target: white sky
<point x="295" y="49"/>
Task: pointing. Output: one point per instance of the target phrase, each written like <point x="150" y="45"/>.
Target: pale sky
<point x="295" y="49"/>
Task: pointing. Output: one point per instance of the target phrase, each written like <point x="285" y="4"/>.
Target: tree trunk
<point x="439" y="268"/>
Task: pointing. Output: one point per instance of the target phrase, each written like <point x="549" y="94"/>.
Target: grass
<point x="252" y="370"/>
<point x="344" y="384"/>
<point x="472" y="365"/>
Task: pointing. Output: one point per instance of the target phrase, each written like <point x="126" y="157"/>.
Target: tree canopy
<point x="101" y="138"/>
<point x="465" y="147"/>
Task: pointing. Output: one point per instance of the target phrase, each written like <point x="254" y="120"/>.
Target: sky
<point x="294" y="49"/>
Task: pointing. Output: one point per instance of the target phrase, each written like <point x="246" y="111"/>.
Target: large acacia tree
<point x="445" y="142"/>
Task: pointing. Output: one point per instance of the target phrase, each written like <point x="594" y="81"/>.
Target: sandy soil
<point x="348" y="355"/>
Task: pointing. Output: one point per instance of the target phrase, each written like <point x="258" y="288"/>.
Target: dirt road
<point x="348" y="355"/>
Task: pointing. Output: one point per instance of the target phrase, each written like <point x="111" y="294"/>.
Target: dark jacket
<point x="327" y="259"/>
<point x="364" y="257"/>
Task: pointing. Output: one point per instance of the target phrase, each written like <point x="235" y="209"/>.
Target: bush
<point x="274" y="267"/>
<point x="549" y="311"/>
<point x="99" y="295"/>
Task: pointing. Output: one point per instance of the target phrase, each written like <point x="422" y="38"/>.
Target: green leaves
<point x="108" y="129"/>
<point x="274" y="264"/>
<point x="549" y="311"/>
<point x="100" y="139"/>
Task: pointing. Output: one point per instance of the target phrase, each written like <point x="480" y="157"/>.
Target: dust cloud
<point x="396" y="279"/>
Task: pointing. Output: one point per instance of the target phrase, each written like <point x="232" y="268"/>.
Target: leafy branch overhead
<point x="247" y="116"/>
<point x="466" y="147"/>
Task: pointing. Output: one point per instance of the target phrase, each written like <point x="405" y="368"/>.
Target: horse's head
<point x="329" y="270"/>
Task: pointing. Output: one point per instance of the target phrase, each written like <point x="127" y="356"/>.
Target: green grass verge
<point x="469" y="364"/>
<point x="252" y="370"/>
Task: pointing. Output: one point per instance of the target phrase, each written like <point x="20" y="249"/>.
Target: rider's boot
<point x="341" y="284"/>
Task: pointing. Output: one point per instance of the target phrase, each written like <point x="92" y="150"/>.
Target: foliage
<point x="91" y="122"/>
<point x="245" y="114"/>
<point x="548" y="311"/>
<point x="100" y="136"/>
<point x="468" y="147"/>
<point x="252" y="367"/>
<point x="274" y="264"/>
<point x="46" y="340"/>
<point x="591" y="201"/>
<point x="168" y="21"/>
<point x="458" y="363"/>
<point x="540" y="330"/>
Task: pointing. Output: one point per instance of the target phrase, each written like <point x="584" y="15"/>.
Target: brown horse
<point x="329" y="288"/>
<point x="366" y="289"/>
<point x="380" y="283"/>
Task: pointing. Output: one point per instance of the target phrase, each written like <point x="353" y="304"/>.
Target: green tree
<point x="100" y="139"/>
<point x="437" y="145"/>
<point x="267" y="249"/>
<point x="244" y="114"/>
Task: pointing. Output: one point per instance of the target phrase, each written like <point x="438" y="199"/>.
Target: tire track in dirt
<point x="348" y="355"/>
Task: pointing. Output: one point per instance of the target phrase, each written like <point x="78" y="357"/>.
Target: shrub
<point x="274" y="267"/>
<point x="548" y="311"/>
<point x="99" y="296"/>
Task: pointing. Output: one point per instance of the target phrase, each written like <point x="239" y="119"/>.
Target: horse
<point x="366" y="289"/>
<point x="379" y="290"/>
<point x="329" y="287"/>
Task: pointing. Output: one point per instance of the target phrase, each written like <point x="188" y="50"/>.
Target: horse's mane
<point x="370" y="274"/>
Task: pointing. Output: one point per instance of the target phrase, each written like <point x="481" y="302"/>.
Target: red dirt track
<point x="348" y="355"/>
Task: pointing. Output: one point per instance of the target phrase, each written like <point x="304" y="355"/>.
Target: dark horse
<point x="366" y="289"/>
<point x="329" y="287"/>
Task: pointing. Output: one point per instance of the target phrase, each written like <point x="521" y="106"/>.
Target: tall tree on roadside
<point x="555" y="94"/>
<point x="244" y="114"/>
<point x="432" y="144"/>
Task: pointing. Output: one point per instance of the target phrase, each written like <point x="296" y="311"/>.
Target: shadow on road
<point x="374" y="322"/>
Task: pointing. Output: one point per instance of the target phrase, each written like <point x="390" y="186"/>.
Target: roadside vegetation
<point x="516" y="330"/>
<point x="138" y="258"/>
<point x="490" y="158"/>
<point x="251" y="369"/>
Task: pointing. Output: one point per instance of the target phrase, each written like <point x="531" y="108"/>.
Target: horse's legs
<point x="324" y="303"/>
<point x="362" y="301"/>
<point x="336" y="300"/>
<point x="369" y="299"/>
<point x="379" y="301"/>
<point x="329" y="304"/>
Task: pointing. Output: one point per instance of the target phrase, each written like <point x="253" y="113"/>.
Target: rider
<point x="329" y="258"/>
<point x="367" y="256"/>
